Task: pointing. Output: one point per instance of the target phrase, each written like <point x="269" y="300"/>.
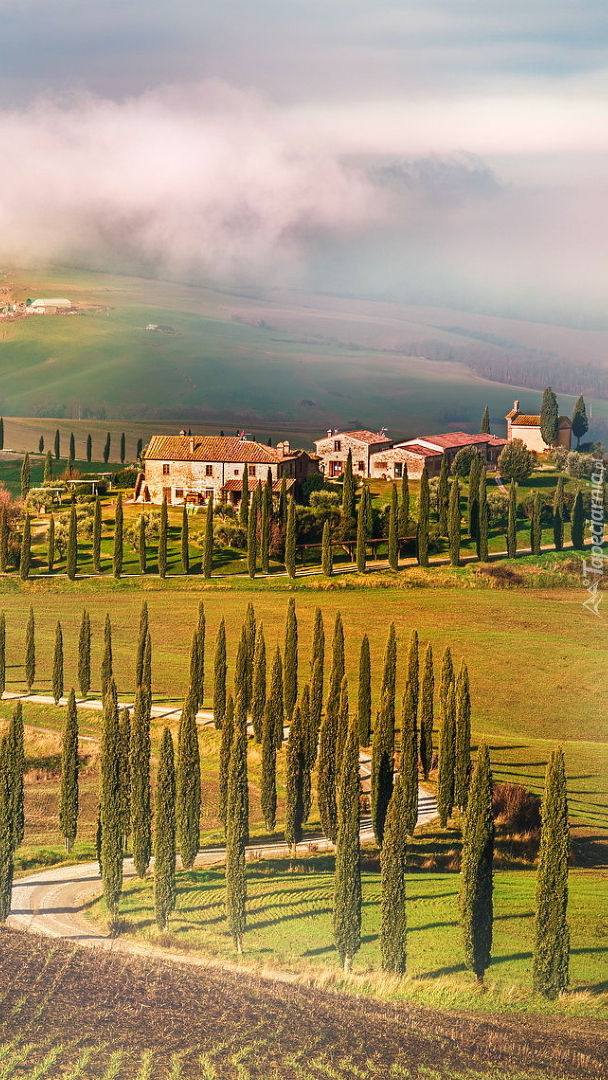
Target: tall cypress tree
<point x="14" y="762"/>
<point x="118" y="538"/>
<point x="2" y="653"/>
<point x="265" y="512"/>
<point x="483" y="525"/>
<point x="473" y="497"/>
<point x="393" y="548"/>
<point x="426" y="712"/>
<point x="25" y="476"/>
<point x="48" y="468"/>
<point x="110" y="804"/>
<point x="382" y="765"/>
<point x="107" y="665"/>
<point x="361" y="553"/>
<point x="124" y="724"/>
<point x="404" y="503"/>
<point x="283" y="502"/>
<point x="512" y="521"/>
<point x="4" y="531"/>
<point x="58" y="665"/>
<point x="413" y="667"/>
<point x="327" y="773"/>
<point x="72" y="447"/>
<point x="447" y="758"/>
<point x="89" y="448"/>
<point x="343" y="722"/>
<point x="96" y="550"/>
<point x="577" y="528"/>
<point x="7" y="850"/>
<point x="268" y="786"/>
<point x="276" y="699"/>
<point x="447" y="678"/>
<point x="443" y="495"/>
<point x="144" y="621"/>
<point x="580" y="422"/>
<point x="139" y="762"/>
<point x="485" y="422"/>
<point x="295" y="781"/>
<point x="364" y="699"/>
<point x="220" y="667"/>
<point x="244" y="507"/>
<point x="164" y="834"/>
<point x="389" y="670"/>
<point x="558" y="515"/>
<point x="327" y="566"/>
<point x="51" y="545"/>
<point x="1" y="433"/>
<point x="30" y="651"/>
<point x="552" y="937"/>
<point x="71" y="560"/>
<point x="107" y="448"/>
<point x="68" y="791"/>
<point x="25" y="559"/>
<point x="290" y="540"/>
<point x="57" y="445"/>
<point x="147" y="666"/>
<point x="462" y="770"/>
<point x="454" y="522"/>
<point x="224" y="763"/>
<point x="188" y="784"/>
<point x="123" y="448"/>
<point x="317" y="671"/>
<point x="202" y="638"/>
<point x="347" y="880"/>
<point x="311" y="741"/>
<point x="84" y="655"/>
<point x="141" y="545"/>
<point x="409" y="761"/>
<point x="348" y="488"/>
<point x="536" y="525"/>
<point x="250" y="637"/>
<point x="475" y="900"/>
<point x="290" y="661"/>
<point x="258" y="702"/>
<point x="208" y="548"/>
<point x="549" y="417"/>
<point x="368" y="518"/>
<point x="252" y="534"/>
<point x="162" y="539"/>
<point x="237" y="828"/>
<point x="424" y="502"/>
<point x="393" y="923"/>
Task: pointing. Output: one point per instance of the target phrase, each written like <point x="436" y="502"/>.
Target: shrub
<point x="461" y="465"/>
<point x="230" y="534"/>
<point x="516" y="462"/>
<point x="323" y="499"/>
<point x="125" y="478"/>
<point x="559" y="456"/>
<point x="501" y="575"/>
<point x="579" y="465"/>
<point x="515" y="808"/>
<point x="498" y="508"/>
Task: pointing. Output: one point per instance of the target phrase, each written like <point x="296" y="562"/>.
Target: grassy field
<point x="286" y="359"/>
<point x="103" y="1016"/>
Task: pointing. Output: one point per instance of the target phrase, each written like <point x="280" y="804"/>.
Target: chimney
<point x="329" y="433"/>
<point x="192" y="444"/>
<point x="516" y="406"/>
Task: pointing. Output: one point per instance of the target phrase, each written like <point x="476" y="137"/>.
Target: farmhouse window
<point x="252" y="470"/>
<point x="383" y="464"/>
<point x="166" y="470"/>
<point x="208" y="493"/>
<point x="208" y="470"/>
<point x="337" y="445"/>
<point x="179" y="493"/>
<point x="361" y="466"/>
<point x="398" y="468"/>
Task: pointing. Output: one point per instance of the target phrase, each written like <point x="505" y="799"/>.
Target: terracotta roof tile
<point x="209" y="448"/>
<point x="416" y="448"/>
<point x="236" y="484"/>
<point x="457" y="438"/>
<point x="369" y="437"/>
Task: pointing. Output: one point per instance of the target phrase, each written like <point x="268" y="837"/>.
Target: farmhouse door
<point x="167" y="495"/>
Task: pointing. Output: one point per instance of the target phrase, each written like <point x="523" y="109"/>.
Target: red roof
<point x="526" y="420"/>
<point x="416" y="448"/>
<point x="369" y="437"/>
<point x="209" y="448"/>
<point x="459" y="438"/>
<point x="236" y="484"/>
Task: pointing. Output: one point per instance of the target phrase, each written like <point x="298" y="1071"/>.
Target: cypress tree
<point x="327" y="774"/>
<point x="224" y="763"/>
<point x="276" y="699"/>
<point x="343" y="722"/>
<point x="393" y="923"/>
<point x="71" y="561"/>
<point x="164" y="834"/>
<point x="348" y="488"/>
<point x="237" y="827"/>
<point x="2" y="653"/>
<point x="382" y="765"/>
<point x="7" y="851"/>
<point x="443" y="495"/>
<point x="185" y="542"/>
<point x="106" y="449"/>
<point x="244" y="507"/>
<point x="26" y="549"/>
<point x="536" y="525"/>
<point x="404" y="504"/>
<point x="317" y="671"/>
<point x="84" y="655"/>
<point x="89" y="448"/>
<point x="447" y="678"/>
<point x="473" y="498"/>
<point x="200" y="674"/>
<point x="577" y="528"/>
<point x="558" y="515"/>
<point x="311" y="740"/>
<point x="290" y="540"/>
<point x="393" y="549"/>
<point x="580" y="423"/>
<point x="369" y="514"/>
<point x="347" y="879"/>
<point x="107" y="659"/>
<point x="426" y="712"/>
<point x="268" y="787"/>
<point x="110" y="804"/>
<point x="290" y="661"/>
<point x="57" y="445"/>
<point x="219" y="676"/>
<point x="41" y="445"/>
<point x="124" y="724"/>
<point x="512" y="522"/>
<point x="454" y="523"/>
<point x="48" y="468"/>
<point x="447" y="758"/>
<point x="552" y="937"/>
<point x="4" y="530"/>
<point x="249" y="642"/>
<point x="258" y="703"/>
<point x="1" y="433"/>
<point x="162" y="539"/>
<point x="72" y="447"/>
<point x="123" y="448"/>
<point x="295" y="781"/>
<point x="485" y="422"/>
<point x="208" y="548"/>
<point x="483" y="525"/>
<point x="30" y="651"/>
<point x="51" y="545"/>
<point x="326" y="552"/>
<point x="147" y="667"/>
<point x="14" y="762"/>
<point x="462" y="769"/>
<point x="424" y="499"/>
<point x="361" y="550"/>
<point x="364" y="699"/>
<point x="118" y="538"/>
<point x="68" y="792"/>
<point x="25" y="476"/>
<point x="265" y="512"/>
<point x="252" y="534"/>
<point x="475" y="900"/>
<point x="283" y="502"/>
<point x="58" y="665"/>
<point x="188" y="784"/>
<point x="139" y="762"/>
<point x="389" y="671"/>
<point x="409" y="761"/>
<point x="97" y="536"/>
<point x="141" y="545"/>
<point x="549" y="416"/>
<point x="413" y="667"/>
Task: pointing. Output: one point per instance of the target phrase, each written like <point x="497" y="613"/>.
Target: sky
<point x="436" y="152"/>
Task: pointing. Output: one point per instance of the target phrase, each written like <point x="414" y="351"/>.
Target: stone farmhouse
<point x="188" y="469"/>
<point x="378" y="457"/>
<point x="526" y="427"/>
<point x="333" y="449"/>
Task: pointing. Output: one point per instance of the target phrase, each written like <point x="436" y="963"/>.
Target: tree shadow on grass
<point x="324" y="949"/>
